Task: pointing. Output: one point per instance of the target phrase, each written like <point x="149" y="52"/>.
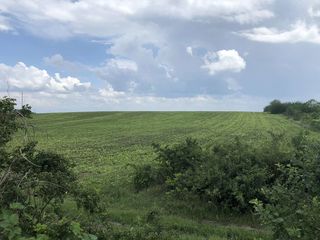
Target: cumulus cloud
<point x="155" y="49"/>
<point x="299" y="32"/>
<point x="4" y="24"/>
<point x="314" y="11"/>
<point x="139" y="37"/>
<point x="123" y="64"/>
<point x="110" y="93"/>
<point x="30" y="78"/>
<point x="240" y="11"/>
<point x="251" y="17"/>
<point x="64" y="18"/>
<point x="189" y="50"/>
<point x="117" y="72"/>
<point x="223" y="60"/>
<point x="58" y="61"/>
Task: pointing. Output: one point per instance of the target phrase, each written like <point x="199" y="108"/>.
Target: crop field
<point x="104" y="145"/>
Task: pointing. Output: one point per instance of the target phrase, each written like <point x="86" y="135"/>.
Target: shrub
<point x="293" y="206"/>
<point x="146" y="176"/>
<point x="281" y="175"/>
<point x="148" y="228"/>
<point x="33" y="186"/>
<point x="228" y="175"/>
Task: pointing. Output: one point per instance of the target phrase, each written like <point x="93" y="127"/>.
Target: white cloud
<point x="126" y="26"/>
<point x="68" y="84"/>
<point x="251" y="17"/>
<point x="109" y="93"/>
<point x="233" y="84"/>
<point x="30" y="78"/>
<point x="232" y="102"/>
<point x="123" y="64"/>
<point x="223" y="60"/>
<point x="189" y="50"/>
<point x="314" y="11"/>
<point x="62" y="19"/>
<point x="240" y="11"/>
<point x="4" y="24"/>
<point x="169" y="71"/>
<point x="60" y="64"/>
<point x="93" y="101"/>
<point x="120" y="73"/>
<point x="299" y="32"/>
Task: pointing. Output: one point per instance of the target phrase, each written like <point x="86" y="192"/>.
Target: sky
<point x="163" y="55"/>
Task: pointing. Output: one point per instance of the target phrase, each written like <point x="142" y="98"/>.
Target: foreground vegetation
<point x="279" y="178"/>
<point x="34" y="185"/>
<point x="109" y="149"/>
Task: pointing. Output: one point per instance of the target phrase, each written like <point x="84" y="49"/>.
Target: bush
<point x="293" y="206"/>
<point x="228" y="175"/>
<point x="149" y="228"/>
<point x="281" y="175"/>
<point x="33" y="186"/>
<point x="146" y="176"/>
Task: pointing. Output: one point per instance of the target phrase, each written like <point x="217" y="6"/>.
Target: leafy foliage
<point x="146" y="176"/>
<point x="11" y="119"/>
<point x="281" y="176"/>
<point x="228" y="175"/>
<point x="293" y="206"/>
<point x="33" y="186"/>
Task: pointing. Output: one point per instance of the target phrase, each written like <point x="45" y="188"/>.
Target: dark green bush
<point x="282" y="175"/>
<point x="146" y="176"/>
<point x="293" y="207"/>
<point x="34" y="185"/>
<point x="180" y="158"/>
<point x="228" y="175"/>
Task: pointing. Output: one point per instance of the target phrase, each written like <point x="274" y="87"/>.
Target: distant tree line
<point x="306" y="112"/>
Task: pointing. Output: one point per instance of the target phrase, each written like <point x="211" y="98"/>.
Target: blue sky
<point x="182" y="55"/>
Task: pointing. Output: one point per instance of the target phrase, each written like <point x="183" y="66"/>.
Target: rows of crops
<point x="103" y="145"/>
<point x="104" y="142"/>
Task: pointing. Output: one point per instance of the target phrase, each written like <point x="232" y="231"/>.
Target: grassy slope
<point x="103" y="144"/>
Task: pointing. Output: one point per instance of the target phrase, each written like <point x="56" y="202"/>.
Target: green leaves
<point x="9" y="225"/>
<point x="293" y="206"/>
<point x="16" y="206"/>
<point x="9" y="118"/>
<point x="228" y="175"/>
<point x="33" y="186"/>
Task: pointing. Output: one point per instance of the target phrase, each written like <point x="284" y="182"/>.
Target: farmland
<point x="104" y="145"/>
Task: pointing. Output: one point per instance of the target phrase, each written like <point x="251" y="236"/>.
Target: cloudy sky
<point x="85" y="55"/>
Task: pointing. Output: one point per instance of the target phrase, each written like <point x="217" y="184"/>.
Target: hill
<point x="104" y="145"/>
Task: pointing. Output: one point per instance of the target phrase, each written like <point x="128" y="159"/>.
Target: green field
<point x="104" y="145"/>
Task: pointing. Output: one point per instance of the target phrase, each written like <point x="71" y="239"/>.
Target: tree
<point x="34" y="184"/>
<point x="276" y="107"/>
